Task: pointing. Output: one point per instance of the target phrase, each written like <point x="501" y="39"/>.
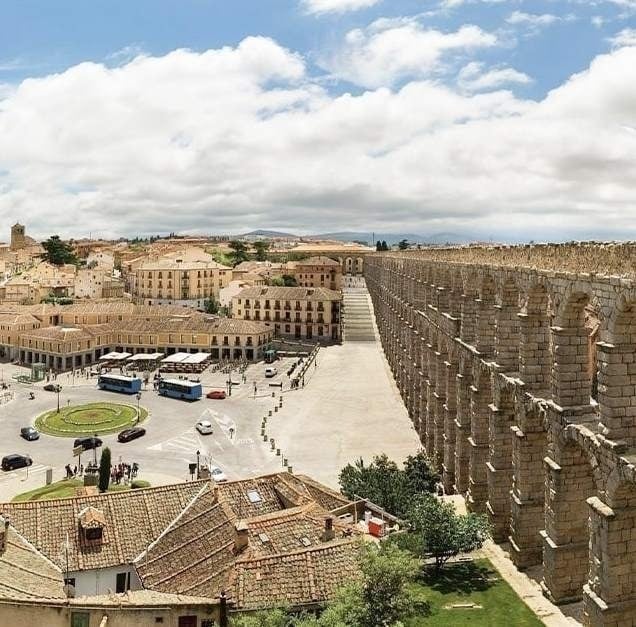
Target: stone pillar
<point x="439" y="396"/>
<point x="480" y="413"/>
<point x="462" y="434"/>
<point x="468" y="319"/>
<point x="571" y="383"/>
<point x="566" y="535"/>
<point x="610" y="595"/>
<point x="507" y="338"/>
<point x="430" y="403"/>
<point x="499" y="466"/>
<point x="450" y="436"/>
<point x="534" y="351"/>
<point x="527" y="518"/>
<point x="616" y="385"/>
<point x="485" y="334"/>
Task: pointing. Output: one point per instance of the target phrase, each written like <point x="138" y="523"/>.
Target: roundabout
<point x="89" y="419"/>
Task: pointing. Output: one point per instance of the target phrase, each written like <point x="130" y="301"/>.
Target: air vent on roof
<point x="264" y="538"/>
<point x="305" y="541"/>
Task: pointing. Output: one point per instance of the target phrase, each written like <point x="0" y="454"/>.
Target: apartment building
<point x="179" y="282"/>
<point x="293" y="312"/>
<point x="317" y="272"/>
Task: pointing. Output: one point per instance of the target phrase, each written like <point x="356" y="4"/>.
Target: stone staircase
<point x="357" y="315"/>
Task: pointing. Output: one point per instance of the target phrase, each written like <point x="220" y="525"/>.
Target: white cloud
<point x="473" y="77"/>
<point x="243" y="137"/>
<point x="389" y="51"/>
<point x="531" y="19"/>
<point x="626" y="37"/>
<point x="336" y="6"/>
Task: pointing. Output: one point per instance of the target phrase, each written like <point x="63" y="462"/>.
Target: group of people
<point x="73" y="472"/>
<point x="123" y="472"/>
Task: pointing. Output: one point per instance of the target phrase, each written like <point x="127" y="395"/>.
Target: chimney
<point x="4" y="536"/>
<point x="329" y="533"/>
<point x="242" y="536"/>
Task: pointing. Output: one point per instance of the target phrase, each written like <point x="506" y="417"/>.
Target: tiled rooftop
<point x="289" y="293"/>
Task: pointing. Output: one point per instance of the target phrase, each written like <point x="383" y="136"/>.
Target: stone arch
<point x="349" y="265"/>
<point x="574" y="352"/>
<point x="456" y="293"/>
<point x="572" y="478"/>
<point x="617" y="372"/>
<point x="468" y="312"/>
<point x="359" y="265"/>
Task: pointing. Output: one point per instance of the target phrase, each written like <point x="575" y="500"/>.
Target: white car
<point x="270" y="372"/>
<point x="204" y="427"/>
<point x="217" y="474"/>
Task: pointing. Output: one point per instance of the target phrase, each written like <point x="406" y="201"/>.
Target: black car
<point x="30" y="433"/>
<point x="50" y="387"/>
<point x="131" y="434"/>
<point x="88" y="443"/>
<point x="13" y="461"/>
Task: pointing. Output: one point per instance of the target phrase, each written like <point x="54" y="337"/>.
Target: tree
<point x="239" y="251"/>
<point x="261" y="249"/>
<point x="438" y="531"/>
<point x="378" y="246"/>
<point x="277" y="281"/>
<point x="211" y="306"/>
<point x="403" y="244"/>
<point x="104" y="470"/>
<point x="58" y="252"/>
<point x="386" y="485"/>
<point x="289" y="280"/>
<point x="381" y="596"/>
<point x="385" y="246"/>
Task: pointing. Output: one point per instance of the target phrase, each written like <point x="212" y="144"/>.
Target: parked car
<point x="204" y="427"/>
<point x="270" y="372"/>
<point x="15" y="460"/>
<point x="50" y="387"/>
<point x="216" y="394"/>
<point x="30" y="433"/>
<point x="130" y="434"/>
<point x="88" y="443"/>
<point x="217" y="474"/>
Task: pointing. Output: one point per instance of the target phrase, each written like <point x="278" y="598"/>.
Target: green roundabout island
<point x="89" y="419"/>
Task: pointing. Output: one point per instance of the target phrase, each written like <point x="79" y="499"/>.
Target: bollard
<point x="289" y="469"/>
<point x="273" y="394"/>
<point x="285" y="463"/>
<point x="270" y="413"/>
<point x="277" y="452"/>
<point x="263" y="431"/>
<point x="264" y="438"/>
<point x="273" y="444"/>
<point x="275" y="409"/>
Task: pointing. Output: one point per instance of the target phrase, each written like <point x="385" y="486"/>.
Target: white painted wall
<point x="102" y="580"/>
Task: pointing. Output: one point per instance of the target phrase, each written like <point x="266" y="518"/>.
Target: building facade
<point x="317" y="272"/>
<point x="293" y="312"/>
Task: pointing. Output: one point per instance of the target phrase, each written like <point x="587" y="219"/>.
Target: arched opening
<point x="569" y="484"/>
<point x="480" y="402"/>
<point x="616" y="386"/>
<point x="455" y="295"/>
<point x="450" y="416"/>
<point x="610" y="597"/>
<point x="574" y="362"/>
<point x="462" y="425"/>
<point x="468" y="323"/>
<point x="507" y="328"/>
<point x="535" y="357"/>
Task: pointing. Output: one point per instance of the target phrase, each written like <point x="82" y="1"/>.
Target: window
<point x="93" y="533"/>
<point x="80" y="619"/>
<point x="254" y="496"/>
<point x="123" y="582"/>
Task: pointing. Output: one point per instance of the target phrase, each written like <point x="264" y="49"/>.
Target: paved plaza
<point x="348" y="408"/>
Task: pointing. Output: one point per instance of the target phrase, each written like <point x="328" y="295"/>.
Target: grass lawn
<point x="65" y="488"/>
<point x="470" y="582"/>
<point x="88" y="419"/>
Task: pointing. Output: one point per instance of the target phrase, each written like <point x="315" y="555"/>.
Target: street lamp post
<point x="58" y="389"/>
<point x="198" y="467"/>
<point x="95" y="450"/>
<point x="138" y="400"/>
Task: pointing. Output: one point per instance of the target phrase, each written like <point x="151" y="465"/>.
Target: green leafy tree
<point x="385" y="246"/>
<point x="58" y="252"/>
<point x="261" y="247"/>
<point x="277" y="281"/>
<point x="438" y="531"/>
<point x="104" y="470"/>
<point x="239" y="251"/>
<point x="381" y="596"/>
<point x="386" y="485"/>
<point x="289" y="280"/>
<point x="403" y="244"/>
<point x="211" y="306"/>
<point x="378" y="246"/>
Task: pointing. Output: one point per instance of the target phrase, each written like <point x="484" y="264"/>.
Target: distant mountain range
<point x="365" y="236"/>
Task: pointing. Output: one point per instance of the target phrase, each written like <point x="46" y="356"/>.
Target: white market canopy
<point x="115" y="356"/>
<point x="146" y="357"/>
<point x="177" y="358"/>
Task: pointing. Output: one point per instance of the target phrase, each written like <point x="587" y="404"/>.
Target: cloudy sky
<point x="502" y="119"/>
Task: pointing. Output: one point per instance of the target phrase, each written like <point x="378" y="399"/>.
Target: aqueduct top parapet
<point x="603" y="259"/>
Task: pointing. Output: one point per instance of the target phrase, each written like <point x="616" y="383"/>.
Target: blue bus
<point x="178" y="388"/>
<point x="119" y="383"/>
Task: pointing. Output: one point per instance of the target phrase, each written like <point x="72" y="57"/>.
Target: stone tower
<point x="18" y="239"/>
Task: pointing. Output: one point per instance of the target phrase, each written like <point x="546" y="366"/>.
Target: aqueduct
<point x="518" y="368"/>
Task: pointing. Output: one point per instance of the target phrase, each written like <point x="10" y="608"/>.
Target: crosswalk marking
<point x="22" y="472"/>
<point x="188" y="441"/>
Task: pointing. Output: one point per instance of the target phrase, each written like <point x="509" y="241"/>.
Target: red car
<point x="216" y="394"/>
